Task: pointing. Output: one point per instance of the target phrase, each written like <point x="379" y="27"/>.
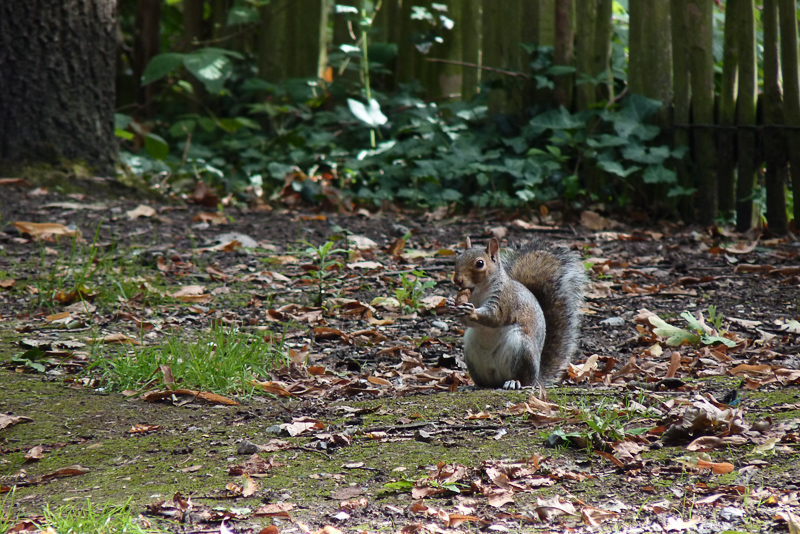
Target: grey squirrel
<point x="523" y="313"/>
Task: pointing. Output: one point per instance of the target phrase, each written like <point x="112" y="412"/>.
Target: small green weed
<point x="221" y="361"/>
<point x="93" y="520"/>
<point x="412" y="290"/>
<point x="676" y="336"/>
<point x="323" y="265"/>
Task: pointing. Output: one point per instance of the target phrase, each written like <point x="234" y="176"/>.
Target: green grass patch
<point x="221" y="360"/>
<point x="91" y="519"/>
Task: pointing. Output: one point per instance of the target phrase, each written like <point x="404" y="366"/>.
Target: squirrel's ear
<point x="469" y="243"/>
<point x="493" y="248"/>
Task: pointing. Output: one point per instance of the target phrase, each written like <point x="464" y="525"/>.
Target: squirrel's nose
<point x="458" y="280"/>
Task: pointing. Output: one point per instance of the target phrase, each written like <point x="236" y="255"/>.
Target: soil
<point x="386" y="404"/>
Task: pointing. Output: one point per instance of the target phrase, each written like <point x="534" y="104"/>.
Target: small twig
<point x="481" y="67"/>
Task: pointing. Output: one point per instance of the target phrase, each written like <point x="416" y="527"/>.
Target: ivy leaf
<point x="372" y="115"/>
<point x="675" y="336"/>
<point x="211" y="66"/>
<point x="156" y="146"/>
<point x="560" y="70"/>
<point x="641" y="154"/>
<point x="344" y="9"/>
<point x="640" y="107"/>
<point x="557" y="119"/>
<point x="678" y="191"/>
<point x="161" y="65"/>
<point x="658" y="174"/>
<point x="606" y="140"/>
<point x="615" y="168"/>
<point x="241" y="14"/>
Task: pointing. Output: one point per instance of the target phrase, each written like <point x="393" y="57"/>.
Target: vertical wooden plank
<point x="701" y="67"/>
<point x="727" y="109"/>
<point x="791" y="93"/>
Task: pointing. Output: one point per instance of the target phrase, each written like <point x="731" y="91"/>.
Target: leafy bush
<point x="396" y="146"/>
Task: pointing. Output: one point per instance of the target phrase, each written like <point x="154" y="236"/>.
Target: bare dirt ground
<point x="376" y="427"/>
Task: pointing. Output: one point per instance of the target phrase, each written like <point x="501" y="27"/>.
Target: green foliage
<point x="376" y="147"/>
<point x="222" y="361"/>
<point x="412" y="290"/>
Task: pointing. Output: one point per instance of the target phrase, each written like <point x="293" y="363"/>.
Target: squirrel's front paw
<point x="463" y="310"/>
<point x="512" y="384"/>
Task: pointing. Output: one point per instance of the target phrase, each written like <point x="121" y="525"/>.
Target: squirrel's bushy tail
<point x="556" y="277"/>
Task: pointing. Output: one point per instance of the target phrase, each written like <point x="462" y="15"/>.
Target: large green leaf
<point x="658" y="174"/>
<point x="242" y="14"/>
<point x="211" y="66"/>
<point x="161" y="65"/>
<point x="615" y="168"/>
<point x="641" y="154"/>
<point x="557" y="119"/>
<point x="156" y="146"/>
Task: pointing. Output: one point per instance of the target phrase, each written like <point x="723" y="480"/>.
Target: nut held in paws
<point x="463" y="296"/>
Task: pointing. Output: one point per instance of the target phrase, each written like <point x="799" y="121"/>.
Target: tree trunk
<point x="727" y="109"/>
<point x="680" y="99"/>
<point x="774" y="140"/>
<point x="470" y="47"/>
<point x="701" y="58"/>
<point x="586" y="25"/>
<point x="747" y="104"/>
<point x="57" y="67"/>
<point x="564" y="52"/>
<point x="146" y="44"/>
<point x="791" y="94"/>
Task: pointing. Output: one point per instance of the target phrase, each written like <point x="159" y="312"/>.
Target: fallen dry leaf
<point x="8" y="420"/>
<point x="140" y="211"/>
<point x="41" y="229"/>
<point x="213" y="398"/>
<point x="35" y="454"/>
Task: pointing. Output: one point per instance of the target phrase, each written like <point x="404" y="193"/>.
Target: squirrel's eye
<point x="479" y="264"/>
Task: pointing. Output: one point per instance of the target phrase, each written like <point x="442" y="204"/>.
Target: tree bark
<point x="57" y="72"/>
<point x="701" y="58"/>
<point x="727" y="109"/>
<point x="791" y="93"/>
